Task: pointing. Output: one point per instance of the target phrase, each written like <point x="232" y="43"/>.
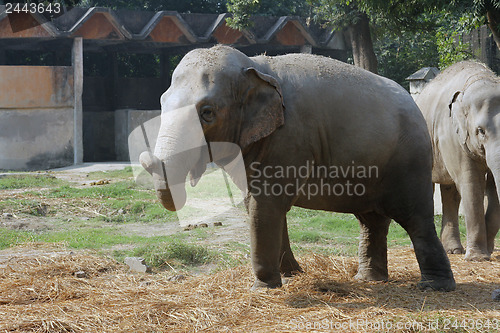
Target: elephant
<point x="461" y="106"/>
<point x="307" y="127"/>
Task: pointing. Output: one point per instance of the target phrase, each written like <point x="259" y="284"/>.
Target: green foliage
<point x="242" y="10"/>
<point x="391" y="15"/>
<point x="403" y="54"/>
<point x="481" y="7"/>
<point x="451" y="49"/>
<point x="138" y="65"/>
<point x="285" y="8"/>
<point x="451" y="26"/>
<point x="182" y="6"/>
<point x="337" y="14"/>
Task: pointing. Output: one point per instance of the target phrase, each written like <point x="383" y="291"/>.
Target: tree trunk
<point x="493" y="22"/>
<point x="362" y="44"/>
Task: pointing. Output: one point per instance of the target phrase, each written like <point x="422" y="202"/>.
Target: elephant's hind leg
<point x="450" y="233"/>
<point x="492" y="217"/>
<point x="373" y="247"/>
<point x="432" y="260"/>
<point x="288" y="265"/>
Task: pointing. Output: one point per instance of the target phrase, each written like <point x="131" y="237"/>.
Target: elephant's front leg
<point x="288" y="265"/>
<point x="450" y="232"/>
<point x="472" y="192"/>
<point x="492" y="213"/>
<point x="373" y="247"/>
<point x="267" y="221"/>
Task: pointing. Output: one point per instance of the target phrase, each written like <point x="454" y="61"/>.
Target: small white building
<point x="420" y="78"/>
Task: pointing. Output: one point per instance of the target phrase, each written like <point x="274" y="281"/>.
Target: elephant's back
<point x="346" y="87"/>
<point x="436" y="96"/>
<point x="334" y="102"/>
<point x="453" y="79"/>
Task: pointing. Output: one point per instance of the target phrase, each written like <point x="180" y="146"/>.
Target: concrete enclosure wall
<point x="36" y="117"/>
<point x="128" y="148"/>
<point x="104" y="102"/>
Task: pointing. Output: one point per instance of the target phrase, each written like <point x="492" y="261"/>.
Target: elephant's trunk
<point x="169" y="181"/>
<point x="180" y="149"/>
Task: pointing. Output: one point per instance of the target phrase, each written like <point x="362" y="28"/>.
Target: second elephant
<point x="462" y="110"/>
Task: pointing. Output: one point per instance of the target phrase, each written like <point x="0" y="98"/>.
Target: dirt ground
<point x="234" y="220"/>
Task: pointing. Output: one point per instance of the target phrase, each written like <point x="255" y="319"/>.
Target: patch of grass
<point x="319" y="226"/>
<point x="89" y="238"/>
<point x="137" y="211"/>
<point x="333" y="233"/>
<point x="113" y="174"/>
<point x="10" y="238"/>
<point x="18" y="181"/>
<point x="175" y="253"/>
<point x="85" y="236"/>
<point x="25" y="206"/>
<point x="120" y="189"/>
<point x="213" y="185"/>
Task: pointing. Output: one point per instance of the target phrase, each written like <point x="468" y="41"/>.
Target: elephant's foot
<point x="367" y="274"/>
<point x="290" y="268"/>
<point x="491" y="246"/>
<point x="476" y="255"/>
<point x="258" y="284"/>
<point x="453" y="247"/>
<point x="455" y="250"/>
<point x="437" y="283"/>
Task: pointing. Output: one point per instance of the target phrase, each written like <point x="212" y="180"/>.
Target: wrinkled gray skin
<point x="461" y="107"/>
<point x="288" y="110"/>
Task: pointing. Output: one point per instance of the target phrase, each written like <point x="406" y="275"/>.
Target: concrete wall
<point x="36" y="117"/>
<point x="129" y="147"/>
<point x="101" y="97"/>
<point x="138" y="93"/>
<point x="98" y="136"/>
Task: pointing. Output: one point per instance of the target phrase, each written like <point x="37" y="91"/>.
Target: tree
<point x="242" y="10"/>
<point x="480" y="12"/>
<point x="492" y="10"/>
<point x="355" y="16"/>
<point x="362" y="17"/>
<point x="402" y="54"/>
<point x="182" y="6"/>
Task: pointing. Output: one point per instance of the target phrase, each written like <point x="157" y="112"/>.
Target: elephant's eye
<point x="480" y="131"/>
<point x="207" y="113"/>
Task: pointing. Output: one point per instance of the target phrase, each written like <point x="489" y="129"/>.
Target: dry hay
<point x="41" y="294"/>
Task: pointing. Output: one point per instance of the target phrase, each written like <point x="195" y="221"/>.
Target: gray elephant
<point x="462" y="109"/>
<point x="315" y="133"/>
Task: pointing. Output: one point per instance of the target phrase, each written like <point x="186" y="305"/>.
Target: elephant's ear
<point x="458" y="116"/>
<point x="262" y="107"/>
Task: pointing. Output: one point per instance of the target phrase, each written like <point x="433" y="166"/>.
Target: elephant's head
<point x="475" y="113"/>
<point x="216" y="95"/>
